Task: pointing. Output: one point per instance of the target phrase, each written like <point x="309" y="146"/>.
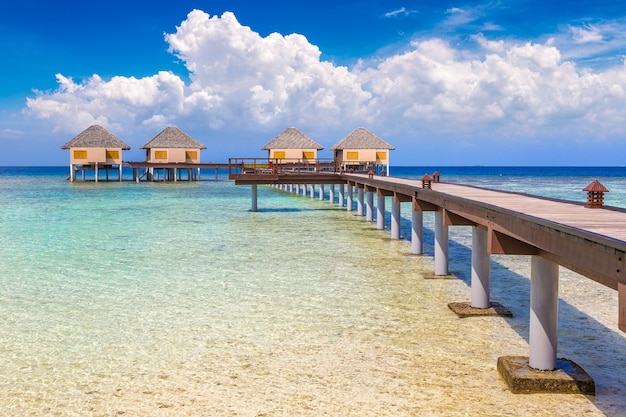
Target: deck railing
<point x="237" y="166"/>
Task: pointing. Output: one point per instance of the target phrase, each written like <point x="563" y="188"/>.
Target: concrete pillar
<point x="369" y="207"/>
<point x="342" y="197"/>
<point x="544" y="311"/>
<point x="417" y="232"/>
<point x="349" y="202"/>
<point x="331" y="194"/>
<point x="480" y="268"/>
<point x="120" y="172"/>
<point x="72" y="173"/>
<point x="312" y="190"/>
<point x="380" y="212"/>
<point x="96" y="172"/>
<point x="395" y="219"/>
<point x="441" y="245"/>
<point x="255" y="205"/>
<point x="321" y="192"/>
<point x="359" y="201"/>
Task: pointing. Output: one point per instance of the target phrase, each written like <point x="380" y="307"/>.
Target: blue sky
<point x="446" y="82"/>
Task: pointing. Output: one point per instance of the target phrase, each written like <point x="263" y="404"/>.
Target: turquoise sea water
<point x="162" y="299"/>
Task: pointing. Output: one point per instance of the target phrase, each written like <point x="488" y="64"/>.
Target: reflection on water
<point x="170" y="301"/>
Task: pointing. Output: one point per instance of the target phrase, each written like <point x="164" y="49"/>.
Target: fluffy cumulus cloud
<point x="241" y="80"/>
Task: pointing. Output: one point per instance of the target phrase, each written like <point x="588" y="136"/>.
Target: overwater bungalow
<point x="362" y="150"/>
<point x="95" y="149"/>
<point x="292" y="146"/>
<point x="172" y="150"/>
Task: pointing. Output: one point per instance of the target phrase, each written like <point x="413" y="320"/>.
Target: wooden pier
<point x="589" y="241"/>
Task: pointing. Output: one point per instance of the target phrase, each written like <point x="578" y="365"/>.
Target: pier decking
<point x="589" y="241"/>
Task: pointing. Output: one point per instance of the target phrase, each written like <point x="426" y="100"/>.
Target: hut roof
<point x="172" y="137"/>
<point x="596" y="187"/>
<point x="292" y="138"/>
<point x="361" y="138"/>
<point x="95" y="137"/>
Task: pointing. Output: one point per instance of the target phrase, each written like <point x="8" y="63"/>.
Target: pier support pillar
<point x="120" y="171"/>
<point x="369" y="207"/>
<point x="72" y="173"/>
<point x="395" y="219"/>
<point x="417" y="231"/>
<point x="96" y="172"/>
<point x="544" y="303"/>
<point x="380" y="212"/>
<point x="342" y="197"/>
<point x="321" y="192"/>
<point x="360" y="201"/>
<point x="312" y="190"/>
<point x="331" y="194"/>
<point x="480" y="283"/>
<point x="255" y="205"/>
<point x="349" y="202"/>
<point x="441" y="244"/>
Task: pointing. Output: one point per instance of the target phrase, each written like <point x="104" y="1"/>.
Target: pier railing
<point x="268" y="166"/>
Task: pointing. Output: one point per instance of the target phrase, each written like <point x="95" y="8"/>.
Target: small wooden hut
<point x="292" y="146"/>
<point x="95" y="148"/>
<point x="171" y="149"/>
<point x="362" y="150"/>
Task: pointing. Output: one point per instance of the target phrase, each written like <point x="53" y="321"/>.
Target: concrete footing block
<point x="433" y="276"/>
<point x="466" y="310"/>
<point x="567" y="378"/>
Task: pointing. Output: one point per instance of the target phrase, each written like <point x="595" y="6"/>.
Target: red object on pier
<point x="595" y="194"/>
<point x="426" y="181"/>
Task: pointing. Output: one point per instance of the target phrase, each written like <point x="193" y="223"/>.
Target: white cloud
<point x="586" y="34"/>
<point x="402" y="11"/>
<point x="243" y="81"/>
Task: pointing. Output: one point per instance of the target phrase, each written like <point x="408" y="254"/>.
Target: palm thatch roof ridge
<point x="292" y="138"/>
<point x="95" y="136"/>
<point x="172" y="137"/>
<point x="361" y="138"/>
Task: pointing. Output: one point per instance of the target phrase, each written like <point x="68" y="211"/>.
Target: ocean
<point x="173" y="299"/>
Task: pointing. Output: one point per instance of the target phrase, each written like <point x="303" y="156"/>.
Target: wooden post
<point x="621" y="294"/>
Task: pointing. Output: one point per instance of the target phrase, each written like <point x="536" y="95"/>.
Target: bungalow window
<point x="191" y="154"/>
<point x="160" y="154"/>
<point x="352" y="156"/>
<point x="80" y="154"/>
<point x="279" y="154"/>
<point x="113" y="154"/>
<point x="381" y="156"/>
<point x="308" y="155"/>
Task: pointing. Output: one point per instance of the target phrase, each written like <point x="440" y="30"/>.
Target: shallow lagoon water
<point x="174" y="299"/>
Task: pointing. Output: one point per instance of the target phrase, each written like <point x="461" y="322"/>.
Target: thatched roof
<point x="173" y="137"/>
<point x="95" y="137"/>
<point x="361" y="138"/>
<point x="292" y="138"/>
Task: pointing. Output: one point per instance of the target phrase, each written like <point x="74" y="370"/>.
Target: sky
<point x="508" y="82"/>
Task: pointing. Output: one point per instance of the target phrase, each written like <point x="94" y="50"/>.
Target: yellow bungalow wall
<point x="363" y="156"/>
<point x="174" y="155"/>
<point x="293" y="154"/>
<point x="88" y="156"/>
